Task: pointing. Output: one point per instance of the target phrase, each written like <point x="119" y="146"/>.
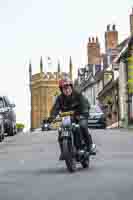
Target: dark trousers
<point x="82" y="133"/>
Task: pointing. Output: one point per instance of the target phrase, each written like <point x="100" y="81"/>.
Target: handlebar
<point x="63" y="114"/>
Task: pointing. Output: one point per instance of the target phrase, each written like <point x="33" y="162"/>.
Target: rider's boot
<point x="92" y="149"/>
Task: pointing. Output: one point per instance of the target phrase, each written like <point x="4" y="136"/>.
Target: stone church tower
<point x="44" y="89"/>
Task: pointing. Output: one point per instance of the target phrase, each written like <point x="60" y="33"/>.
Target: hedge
<point x="19" y="126"/>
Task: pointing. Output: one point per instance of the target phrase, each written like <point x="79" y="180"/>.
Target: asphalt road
<point x="30" y="170"/>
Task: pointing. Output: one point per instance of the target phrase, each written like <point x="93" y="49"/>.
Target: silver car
<point x="96" y="117"/>
<point x="1" y="128"/>
<point x="8" y="114"/>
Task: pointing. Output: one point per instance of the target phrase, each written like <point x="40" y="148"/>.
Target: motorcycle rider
<point x="69" y="99"/>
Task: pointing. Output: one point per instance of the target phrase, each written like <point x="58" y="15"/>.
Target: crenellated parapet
<point x="49" y="76"/>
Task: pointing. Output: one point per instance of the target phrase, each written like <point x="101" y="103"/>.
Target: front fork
<point x="76" y="139"/>
<point x="60" y="139"/>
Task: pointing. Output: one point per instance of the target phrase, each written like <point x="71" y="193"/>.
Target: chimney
<point x="113" y="27"/>
<point x="108" y="27"/>
<point x="93" y="39"/>
<point x="97" y="40"/>
<point x="93" y="51"/>
<point x="131" y="22"/>
<point x="111" y="37"/>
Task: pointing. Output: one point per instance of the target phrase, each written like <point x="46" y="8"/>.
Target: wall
<point x="122" y="90"/>
<point x="89" y="94"/>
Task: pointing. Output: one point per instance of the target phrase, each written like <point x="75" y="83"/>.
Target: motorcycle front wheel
<point x="68" y="155"/>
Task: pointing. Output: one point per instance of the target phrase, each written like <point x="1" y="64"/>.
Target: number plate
<point x="65" y="133"/>
<point x="92" y="121"/>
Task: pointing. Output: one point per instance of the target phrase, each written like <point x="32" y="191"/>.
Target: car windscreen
<point x="95" y="109"/>
<point x="1" y="103"/>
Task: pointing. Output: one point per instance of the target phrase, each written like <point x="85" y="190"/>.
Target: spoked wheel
<point x="68" y="155"/>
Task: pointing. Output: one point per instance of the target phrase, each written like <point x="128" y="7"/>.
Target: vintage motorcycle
<point x="66" y="134"/>
<point x="45" y="125"/>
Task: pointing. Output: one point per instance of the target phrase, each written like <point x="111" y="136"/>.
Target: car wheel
<point x="12" y="130"/>
<point x="1" y="138"/>
<point x="2" y="133"/>
<point x="104" y="126"/>
<point x="15" y="130"/>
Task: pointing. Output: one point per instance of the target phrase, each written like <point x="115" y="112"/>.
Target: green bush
<point x="19" y="126"/>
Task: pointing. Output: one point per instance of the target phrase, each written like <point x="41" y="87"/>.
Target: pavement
<point x="114" y="125"/>
<point x="30" y="169"/>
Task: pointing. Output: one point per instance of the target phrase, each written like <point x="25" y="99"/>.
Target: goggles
<point x="66" y="86"/>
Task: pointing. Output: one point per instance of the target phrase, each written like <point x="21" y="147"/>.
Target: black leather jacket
<point x="76" y="102"/>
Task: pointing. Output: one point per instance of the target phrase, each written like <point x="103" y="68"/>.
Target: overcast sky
<point x="55" y="28"/>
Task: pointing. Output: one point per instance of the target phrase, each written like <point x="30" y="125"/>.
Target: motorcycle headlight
<point x="66" y="121"/>
<point x="59" y="129"/>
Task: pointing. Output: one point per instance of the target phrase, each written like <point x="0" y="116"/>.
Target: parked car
<point x="1" y="128"/>
<point x="96" y="117"/>
<point x="45" y="125"/>
<point x="9" y="115"/>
